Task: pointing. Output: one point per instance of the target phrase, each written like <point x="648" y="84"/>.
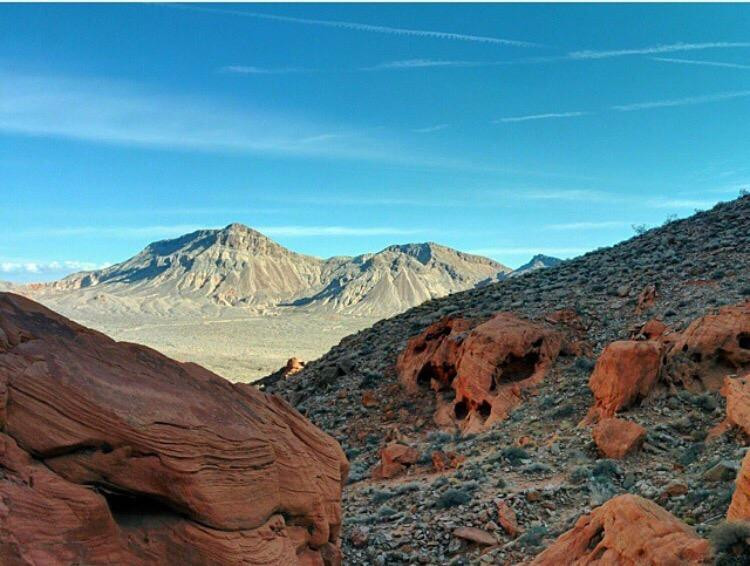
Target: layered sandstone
<point x="177" y="462"/>
<point x="739" y="509"/>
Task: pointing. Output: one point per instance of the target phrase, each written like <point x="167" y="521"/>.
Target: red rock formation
<point x="394" y="459"/>
<point x="627" y="530"/>
<point x="654" y="329"/>
<point x="616" y="438"/>
<point x="737" y="392"/>
<point x="625" y="372"/>
<point x="739" y="509"/>
<point x="177" y="461"/>
<point x="429" y="359"/>
<point x="507" y="518"/>
<point x="488" y="368"/>
<point x="442" y="461"/>
<point x="710" y="348"/>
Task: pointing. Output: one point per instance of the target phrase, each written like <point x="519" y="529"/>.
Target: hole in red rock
<point x="743" y="339"/>
<point x="685" y="348"/>
<point x="516" y="368"/>
<point x="137" y="510"/>
<point x="696" y="357"/>
<point x="493" y="383"/>
<point x="461" y="409"/>
<point x="596" y="538"/>
<point x="425" y="375"/>
<point x="419" y="348"/>
<point x="485" y="409"/>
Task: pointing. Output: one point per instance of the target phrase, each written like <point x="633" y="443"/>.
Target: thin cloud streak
<point x="430" y="129"/>
<point x="675" y="47"/>
<point x="42" y="267"/>
<point x="587" y="225"/>
<point x="356" y="26"/>
<point x="250" y="70"/>
<point x="698" y="62"/>
<point x="551" y="115"/>
<point x="681" y="101"/>
<point x="426" y="63"/>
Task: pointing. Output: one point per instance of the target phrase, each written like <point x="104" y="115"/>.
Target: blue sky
<point x="505" y="130"/>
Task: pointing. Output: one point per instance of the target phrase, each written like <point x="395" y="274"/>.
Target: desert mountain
<point x="240" y="267"/>
<point x="581" y="409"/>
<point x="539" y="261"/>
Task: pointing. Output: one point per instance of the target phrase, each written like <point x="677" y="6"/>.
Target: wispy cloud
<point x="125" y="232"/>
<point x="249" y="70"/>
<point x="307" y="231"/>
<point x="122" y="113"/>
<point x="430" y="129"/>
<point x="682" y="101"/>
<point x="426" y="63"/>
<point x="587" y="225"/>
<point x="44" y="267"/>
<point x="357" y="26"/>
<point x="577" y="195"/>
<point x="699" y="62"/>
<point x="653" y="50"/>
<point x="681" y="203"/>
<point x="548" y="116"/>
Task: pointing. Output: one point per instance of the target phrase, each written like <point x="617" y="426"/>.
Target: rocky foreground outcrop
<point x="627" y="530"/>
<point x="111" y="453"/>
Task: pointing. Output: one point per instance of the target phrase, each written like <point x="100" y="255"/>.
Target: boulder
<point x="625" y="372"/>
<point x="739" y="509"/>
<point x="627" y="530"/>
<point x="144" y="460"/>
<point x="472" y="534"/>
<point x="737" y="392"/>
<point x="293" y="365"/>
<point x="616" y="438"/>
<point x="654" y="329"/>
<point x="394" y="459"/>
<point x="488" y="367"/>
<point x="710" y="348"/>
<point x="646" y="299"/>
<point x="507" y="518"/>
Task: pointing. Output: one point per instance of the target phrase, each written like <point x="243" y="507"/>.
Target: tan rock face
<point x="646" y="298"/>
<point x="179" y="462"/>
<point x="293" y="365"/>
<point x="616" y="438"/>
<point x="710" y="348"/>
<point x="739" y="509"/>
<point x="625" y="531"/>
<point x="625" y="372"/>
<point x="487" y="367"/>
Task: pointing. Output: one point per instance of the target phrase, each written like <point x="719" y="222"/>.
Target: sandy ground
<point x="237" y="346"/>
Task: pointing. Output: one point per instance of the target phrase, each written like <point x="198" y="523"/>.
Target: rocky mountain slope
<point x="111" y="453"/>
<point x="240" y="267"/>
<point x="566" y="409"/>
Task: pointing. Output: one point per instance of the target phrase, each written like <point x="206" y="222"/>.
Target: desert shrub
<point x="533" y="537"/>
<point x="386" y="511"/>
<point x="564" y="411"/>
<point x="453" y="497"/>
<point x="730" y="542"/>
<point x="583" y="363"/>
<point x="606" y="469"/>
<point x="381" y="495"/>
<point x="579" y="474"/>
<point x="514" y="455"/>
<point x="407" y="488"/>
<point x="536" y="468"/>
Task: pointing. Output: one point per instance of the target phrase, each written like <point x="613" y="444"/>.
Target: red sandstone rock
<point x="442" y="461"/>
<point x="626" y="531"/>
<point x="737" y="392"/>
<point x="193" y="469"/>
<point x="488" y="367"/>
<point x="616" y="438"/>
<point x="368" y="400"/>
<point x="507" y="518"/>
<point x="654" y="329"/>
<point x="646" y="299"/>
<point x="394" y="458"/>
<point x="739" y="509"/>
<point x="710" y="348"/>
<point x="625" y="372"/>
